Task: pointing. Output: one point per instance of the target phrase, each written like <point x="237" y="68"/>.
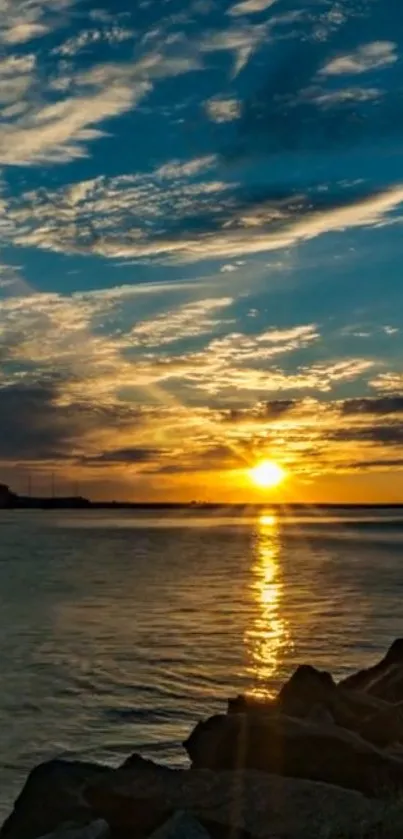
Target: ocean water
<point x="118" y="631"/>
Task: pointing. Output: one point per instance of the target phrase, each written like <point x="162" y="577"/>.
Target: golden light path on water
<point x="268" y="635"/>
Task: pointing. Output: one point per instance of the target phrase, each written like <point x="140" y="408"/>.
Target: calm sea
<point x="119" y="631"/>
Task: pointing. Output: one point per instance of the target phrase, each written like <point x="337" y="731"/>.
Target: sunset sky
<point x="201" y="247"/>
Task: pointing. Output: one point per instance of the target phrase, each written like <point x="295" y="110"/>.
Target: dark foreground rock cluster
<point x="318" y="760"/>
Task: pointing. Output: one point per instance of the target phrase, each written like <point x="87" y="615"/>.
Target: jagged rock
<point x="369" y="679"/>
<point x="310" y="693"/>
<point x="293" y="748"/>
<point x="384" y="728"/>
<point x="98" y="829"/>
<point x="52" y="795"/>
<point x="308" y="688"/>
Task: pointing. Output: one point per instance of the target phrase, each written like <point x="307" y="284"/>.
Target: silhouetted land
<point x="11" y="501"/>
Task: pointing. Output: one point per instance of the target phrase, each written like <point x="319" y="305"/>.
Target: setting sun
<point x="267" y="474"/>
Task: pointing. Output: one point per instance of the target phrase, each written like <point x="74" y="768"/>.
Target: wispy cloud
<point x="391" y="382"/>
<point x="187" y="321"/>
<point x="367" y="57"/>
<point x="247" y="7"/>
<point x="59" y="125"/>
<point x="23" y="21"/>
<point x="241" y="41"/>
<point x="176" y="169"/>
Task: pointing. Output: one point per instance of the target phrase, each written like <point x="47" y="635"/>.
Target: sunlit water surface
<point x="119" y="631"/>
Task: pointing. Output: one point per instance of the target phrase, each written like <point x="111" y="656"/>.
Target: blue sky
<point x="200" y="267"/>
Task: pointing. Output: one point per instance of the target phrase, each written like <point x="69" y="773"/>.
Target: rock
<point x="312" y="694"/>
<point x="384" y="728"/>
<point x="133" y="817"/>
<point x="181" y="825"/>
<point x="295" y="748"/>
<point x="362" y="705"/>
<point x="52" y="795"/>
<point x="249" y="704"/>
<point x="366" y="680"/>
<point x="98" y="829"/>
<point x="308" y="684"/>
<point x="247" y="804"/>
<point x="320" y="714"/>
<point x="307" y="688"/>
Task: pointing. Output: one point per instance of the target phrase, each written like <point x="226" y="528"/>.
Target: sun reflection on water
<point x="268" y="635"/>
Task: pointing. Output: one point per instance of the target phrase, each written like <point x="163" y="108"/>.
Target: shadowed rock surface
<point x="295" y="748"/>
<point x="52" y="795"/>
<point x="384" y="728"/>
<point x="238" y="805"/>
<point x="98" y="829"/>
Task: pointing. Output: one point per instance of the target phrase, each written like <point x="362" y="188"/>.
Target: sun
<point x="267" y="474"/>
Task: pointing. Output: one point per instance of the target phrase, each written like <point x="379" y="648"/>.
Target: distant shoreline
<point x="84" y="504"/>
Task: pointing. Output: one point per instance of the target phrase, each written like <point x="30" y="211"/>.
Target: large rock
<point x="234" y="805"/>
<point x="376" y="679"/>
<point x="309" y="688"/>
<point x="312" y="694"/>
<point x="52" y="795"/>
<point x="246" y="804"/>
<point x="295" y="748"/>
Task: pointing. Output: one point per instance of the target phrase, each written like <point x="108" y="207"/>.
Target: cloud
<point x="223" y="110"/>
<point x="133" y="455"/>
<point x="23" y="21"/>
<point x="380" y="464"/>
<point x="367" y="57"/>
<point x="187" y="321"/>
<point x="60" y="131"/>
<point x="88" y="392"/>
<point x="373" y="405"/>
<point x="388" y="435"/>
<point x="20" y="33"/>
<point x="177" y="169"/>
<point x="137" y="216"/>
<point x="302" y="102"/>
<point x="261" y="412"/>
<point x="242" y="41"/>
<point x="112" y="34"/>
<point x="58" y="126"/>
<point x="391" y="382"/>
<point x="34" y="426"/>
<point x="228" y="377"/>
<point x="247" y="7"/>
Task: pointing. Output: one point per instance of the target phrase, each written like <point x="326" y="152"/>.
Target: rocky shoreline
<point x="318" y="760"/>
